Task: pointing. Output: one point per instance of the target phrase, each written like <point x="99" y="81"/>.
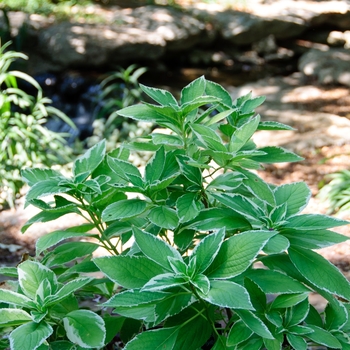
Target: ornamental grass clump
<point x="199" y="249"/>
<point x="24" y="139"/>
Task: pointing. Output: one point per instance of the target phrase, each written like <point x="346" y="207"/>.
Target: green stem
<point x="205" y="306"/>
<point x="104" y="240"/>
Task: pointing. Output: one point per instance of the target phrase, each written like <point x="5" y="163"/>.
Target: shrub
<point x="24" y="139"/>
<point x="336" y="193"/>
<point x="203" y="252"/>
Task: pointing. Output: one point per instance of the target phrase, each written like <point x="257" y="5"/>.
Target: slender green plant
<point x="336" y="193"/>
<point x="119" y="89"/>
<point x="24" y="139"/>
<point x="200" y="249"/>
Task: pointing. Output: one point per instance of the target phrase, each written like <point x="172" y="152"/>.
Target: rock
<point x="244" y="28"/>
<point x="328" y="67"/>
<point x="337" y="38"/>
<point x="73" y="45"/>
<point x="144" y="33"/>
<point x="153" y="33"/>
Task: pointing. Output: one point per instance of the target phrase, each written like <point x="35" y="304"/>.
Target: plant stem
<point x="104" y="240"/>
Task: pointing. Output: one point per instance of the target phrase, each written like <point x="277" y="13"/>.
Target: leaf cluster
<point x="198" y="247"/>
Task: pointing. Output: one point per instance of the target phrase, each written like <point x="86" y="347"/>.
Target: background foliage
<point x="24" y="139"/>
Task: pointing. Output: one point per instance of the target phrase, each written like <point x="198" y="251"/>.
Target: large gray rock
<point x="328" y="67"/>
<point x="244" y="28"/>
<point x="84" y="45"/>
<point x="144" y="33"/>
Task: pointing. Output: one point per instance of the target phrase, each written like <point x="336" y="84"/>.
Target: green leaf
<point x="45" y="216"/>
<point x="288" y="300"/>
<point x="274" y="282"/>
<point x="9" y="271"/>
<point x="258" y="187"/>
<point x="113" y="326"/>
<point x="218" y="117"/>
<point x="62" y="206"/>
<point x="90" y="160"/>
<point x="155" y="166"/>
<point x="122" y="209"/>
<point x="172" y="304"/>
<point x="296" y="195"/>
<point x="192" y="173"/>
<point x="300" y="330"/>
<point x="313" y="222"/>
<point x="10" y="297"/>
<point x="250" y="105"/>
<point x="276" y="154"/>
<point x="239" y="332"/>
<point x="220" y="344"/>
<point x="145" y="312"/>
<point x="128" y="271"/>
<point x="30" y="276"/>
<point x="13" y="317"/>
<point x="184" y="238"/>
<point x="208" y="137"/>
<point x="336" y="315"/>
<point x="164" y="216"/>
<point x="297" y="314"/>
<point x="62" y="345"/>
<point x="229" y="295"/>
<point x="227" y="181"/>
<point x="214" y="89"/>
<point x="320" y="272"/>
<point x="126" y="171"/>
<point x="268" y="125"/>
<point x="207" y="249"/>
<point x="296" y="341"/>
<point x="274" y="344"/>
<point x="155" y="248"/>
<point x="43" y="292"/>
<point x="149" y="113"/>
<point x="161" y="96"/>
<point x="237" y="254"/>
<point x="243" y="134"/>
<point x="165" y="281"/>
<point x="202" y="283"/>
<point x="159" y="339"/>
<point x="68" y="289"/>
<point x="70" y="251"/>
<point x="188" y="207"/>
<point x="46" y="188"/>
<point x="277" y="244"/>
<point x="85" y="328"/>
<point x="34" y="175"/>
<point x="30" y="336"/>
<point x="164" y="139"/>
<point x="193" y="90"/>
<point x="197" y="329"/>
<point x="254" y="323"/>
<point x="323" y="337"/>
<point x="313" y="239"/>
<point x="217" y="218"/>
<point x="134" y="298"/>
<point x="55" y="237"/>
<point x="241" y="205"/>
